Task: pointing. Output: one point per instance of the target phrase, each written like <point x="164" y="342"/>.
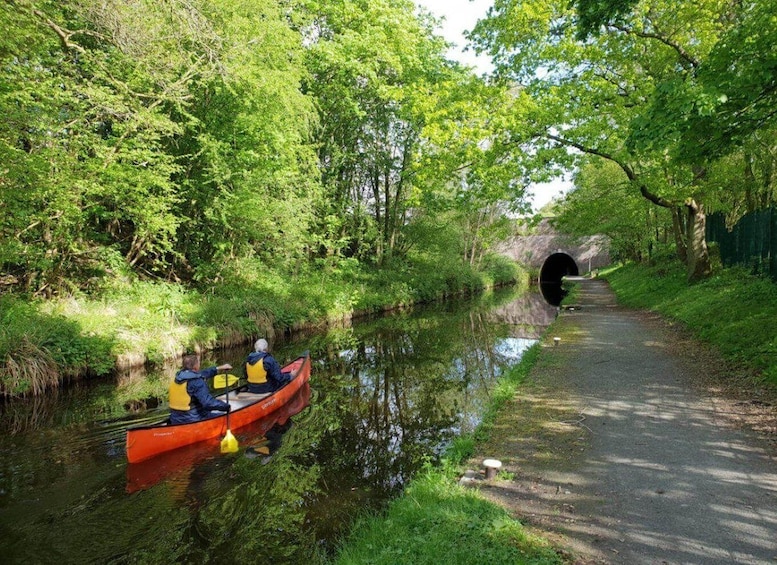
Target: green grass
<point x="732" y="311"/>
<point x="38" y="349"/>
<point x="436" y="521"/>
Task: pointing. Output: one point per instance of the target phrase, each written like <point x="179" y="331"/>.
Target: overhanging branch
<point x="625" y="167"/>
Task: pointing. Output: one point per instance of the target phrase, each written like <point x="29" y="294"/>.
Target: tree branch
<point x="628" y="169"/>
<point x="64" y="35"/>
<point x="684" y="55"/>
<point x="593" y="151"/>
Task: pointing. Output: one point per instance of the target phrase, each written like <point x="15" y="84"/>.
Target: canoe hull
<point x="145" y="442"/>
<point x="177" y="465"/>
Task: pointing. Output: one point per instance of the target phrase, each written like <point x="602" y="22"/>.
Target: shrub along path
<point x="622" y="448"/>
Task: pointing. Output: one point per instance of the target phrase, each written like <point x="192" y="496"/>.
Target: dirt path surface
<point x="622" y="449"/>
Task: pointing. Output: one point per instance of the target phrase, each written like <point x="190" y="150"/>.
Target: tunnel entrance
<point x="554" y="268"/>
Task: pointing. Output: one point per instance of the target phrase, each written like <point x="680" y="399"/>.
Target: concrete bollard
<point x="556" y="340"/>
<point x="492" y="467"/>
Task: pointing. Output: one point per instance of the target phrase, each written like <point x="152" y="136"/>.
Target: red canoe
<point x="178" y="465"/>
<point x="144" y="442"/>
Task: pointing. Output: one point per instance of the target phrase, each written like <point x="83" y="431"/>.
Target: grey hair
<point x="260" y="345"/>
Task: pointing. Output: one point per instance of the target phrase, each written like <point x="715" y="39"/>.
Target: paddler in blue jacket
<point x="263" y="371"/>
<point x="190" y="399"/>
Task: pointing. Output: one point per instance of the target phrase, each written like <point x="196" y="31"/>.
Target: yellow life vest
<point x="256" y="373"/>
<point x="178" y="396"/>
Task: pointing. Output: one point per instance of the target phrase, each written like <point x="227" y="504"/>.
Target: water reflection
<point x="386" y="396"/>
<point x="529" y="314"/>
<point x="553" y="292"/>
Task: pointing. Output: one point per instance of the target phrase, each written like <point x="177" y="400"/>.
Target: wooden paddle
<point x="229" y="443"/>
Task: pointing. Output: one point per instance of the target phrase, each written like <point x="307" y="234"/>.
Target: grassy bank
<point x="733" y="311"/>
<point x="130" y="322"/>
<point x="438" y="521"/>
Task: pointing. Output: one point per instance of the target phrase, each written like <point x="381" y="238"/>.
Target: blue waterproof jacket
<point x="275" y="378"/>
<point x="202" y="402"/>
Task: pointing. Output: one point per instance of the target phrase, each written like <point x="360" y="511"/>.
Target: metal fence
<point x="751" y="243"/>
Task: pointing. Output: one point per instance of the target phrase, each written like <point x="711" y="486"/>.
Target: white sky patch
<point x="544" y="192"/>
<point x="460" y="16"/>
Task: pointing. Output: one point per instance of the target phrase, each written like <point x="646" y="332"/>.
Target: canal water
<point x="386" y="396"/>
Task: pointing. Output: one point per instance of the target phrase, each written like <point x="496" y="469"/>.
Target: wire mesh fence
<point x="752" y="242"/>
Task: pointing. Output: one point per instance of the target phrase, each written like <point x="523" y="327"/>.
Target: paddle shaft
<point x="228" y="408"/>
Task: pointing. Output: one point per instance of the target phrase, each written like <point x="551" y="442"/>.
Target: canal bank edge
<point x="32" y="370"/>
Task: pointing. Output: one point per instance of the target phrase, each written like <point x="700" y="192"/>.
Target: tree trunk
<point x="692" y="243"/>
<point x="679" y="231"/>
<point x="750" y="183"/>
<point x="379" y="243"/>
<point x="698" y="263"/>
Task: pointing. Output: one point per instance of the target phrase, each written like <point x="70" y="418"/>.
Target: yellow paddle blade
<point x="229" y="443"/>
<point x="223" y="381"/>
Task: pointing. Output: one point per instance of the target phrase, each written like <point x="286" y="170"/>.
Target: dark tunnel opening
<point x="554" y="269"/>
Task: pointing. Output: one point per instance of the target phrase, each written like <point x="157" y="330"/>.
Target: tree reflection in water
<point x="387" y="395"/>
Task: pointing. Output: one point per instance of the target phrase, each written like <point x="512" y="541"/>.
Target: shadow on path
<point x="617" y="456"/>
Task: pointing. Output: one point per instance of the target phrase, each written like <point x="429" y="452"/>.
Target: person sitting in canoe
<point x="263" y="371"/>
<point x="190" y="399"/>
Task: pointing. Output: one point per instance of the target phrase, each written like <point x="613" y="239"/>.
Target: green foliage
<point x="173" y="140"/>
<point x="250" y="183"/>
<point x="187" y="174"/>
<point x="595" y="14"/>
<point x="635" y="227"/>
<point x="86" y="167"/>
<point x="732" y="310"/>
<point x="168" y="133"/>
<point x="405" y="134"/>
<point x="367" y="62"/>
<point x="501" y="270"/>
<point x="731" y="96"/>
<point x="661" y="89"/>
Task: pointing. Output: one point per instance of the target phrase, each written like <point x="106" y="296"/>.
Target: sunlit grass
<point x="29" y="369"/>
<point x="437" y="521"/>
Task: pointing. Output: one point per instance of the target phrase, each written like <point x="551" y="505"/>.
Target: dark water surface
<point x="385" y="396"/>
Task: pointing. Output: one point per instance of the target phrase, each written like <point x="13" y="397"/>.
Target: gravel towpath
<point x="618" y="451"/>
